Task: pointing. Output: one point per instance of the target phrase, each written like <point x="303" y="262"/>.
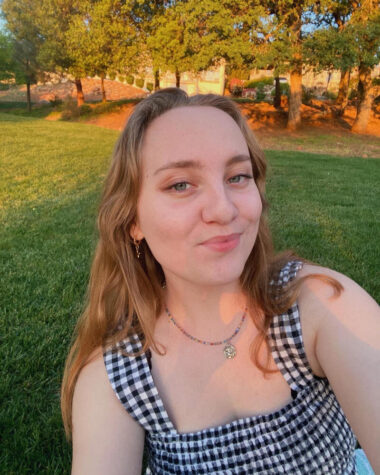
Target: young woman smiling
<point x="198" y="340"/>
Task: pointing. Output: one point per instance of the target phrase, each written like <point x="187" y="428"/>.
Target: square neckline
<point x="256" y="418"/>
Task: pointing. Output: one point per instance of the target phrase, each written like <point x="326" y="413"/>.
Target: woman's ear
<point x="135" y="232"/>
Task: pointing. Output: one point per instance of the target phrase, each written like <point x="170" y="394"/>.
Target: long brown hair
<point x="125" y="293"/>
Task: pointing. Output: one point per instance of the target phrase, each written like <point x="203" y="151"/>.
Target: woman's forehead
<point x="191" y="132"/>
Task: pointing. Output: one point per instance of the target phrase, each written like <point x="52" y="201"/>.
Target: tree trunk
<point x="156" y="79"/>
<point x="80" y="96"/>
<point x="28" y="100"/>
<point x="177" y="78"/>
<point x="277" y="93"/>
<point x="342" y="99"/>
<point x="366" y="97"/>
<point x="295" y="93"/>
<point x="295" y="98"/>
<point x="104" y="99"/>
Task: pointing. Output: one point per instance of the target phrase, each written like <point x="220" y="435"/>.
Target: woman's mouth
<point x="222" y="243"/>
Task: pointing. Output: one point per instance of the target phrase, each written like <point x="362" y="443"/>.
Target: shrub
<point x="330" y="95"/>
<point x="307" y="95"/>
<point x="85" y="109"/>
<point x="121" y="78"/>
<point x="4" y="86"/>
<point x="70" y="109"/>
<point x="285" y="89"/>
<point x="149" y="86"/>
<point x="103" y="107"/>
<point x="130" y="79"/>
<point x="237" y="91"/>
<point x="140" y="82"/>
<point x="260" y="94"/>
<point x="56" y="101"/>
<point x="112" y="76"/>
<point x="261" y="82"/>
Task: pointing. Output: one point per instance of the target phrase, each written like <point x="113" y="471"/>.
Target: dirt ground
<point x="320" y="131"/>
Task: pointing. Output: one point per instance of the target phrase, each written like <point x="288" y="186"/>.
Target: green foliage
<point x="243" y="100"/>
<point x="266" y="81"/>
<point x="149" y="86"/>
<point x="85" y="109"/>
<point x="140" y="82"/>
<point x="260" y="95"/>
<point x="130" y="79"/>
<point x="7" y="65"/>
<point x="357" y="43"/>
<point x="307" y="95"/>
<point x="121" y="78"/>
<point x="4" y="86"/>
<point x="27" y="39"/>
<point x="238" y="73"/>
<point x="57" y="101"/>
<point x="94" y="37"/>
<point x="284" y="90"/>
<point x="330" y="95"/>
<point x="70" y="110"/>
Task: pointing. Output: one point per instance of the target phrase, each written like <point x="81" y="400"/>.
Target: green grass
<point x="40" y="111"/>
<point x="323" y="207"/>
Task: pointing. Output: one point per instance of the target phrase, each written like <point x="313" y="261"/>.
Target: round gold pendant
<point x="229" y="351"/>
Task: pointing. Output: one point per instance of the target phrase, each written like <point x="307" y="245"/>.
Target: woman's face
<point x="196" y="185"/>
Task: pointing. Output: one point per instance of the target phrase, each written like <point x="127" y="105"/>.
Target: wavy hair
<point x="124" y="295"/>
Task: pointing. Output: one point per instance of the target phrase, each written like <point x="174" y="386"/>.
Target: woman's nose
<point x="218" y="205"/>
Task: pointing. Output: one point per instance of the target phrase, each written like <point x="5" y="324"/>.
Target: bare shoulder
<point x="321" y="310"/>
<point x="321" y="294"/>
<point x="105" y="436"/>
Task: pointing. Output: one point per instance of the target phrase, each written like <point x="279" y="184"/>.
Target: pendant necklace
<point x="229" y="349"/>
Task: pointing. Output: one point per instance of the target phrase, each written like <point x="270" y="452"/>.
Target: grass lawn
<point x="323" y="207"/>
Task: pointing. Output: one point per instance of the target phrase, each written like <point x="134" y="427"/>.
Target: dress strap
<point x="285" y="338"/>
<point x="132" y="383"/>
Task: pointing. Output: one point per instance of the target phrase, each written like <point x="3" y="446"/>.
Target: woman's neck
<point x="206" y="313"/>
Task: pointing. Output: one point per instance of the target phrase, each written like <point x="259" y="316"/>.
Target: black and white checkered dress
<point x="310" y="435"/>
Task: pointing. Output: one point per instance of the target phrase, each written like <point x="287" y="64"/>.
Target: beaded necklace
<point x="229" y="350"/>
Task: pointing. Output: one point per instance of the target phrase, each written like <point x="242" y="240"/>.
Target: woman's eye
<point x="181" y="185"/>
<point x="241" y="175"/>
<point x="178" y="186"/>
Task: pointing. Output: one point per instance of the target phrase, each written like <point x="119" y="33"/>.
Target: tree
<point x="194" y="36"/>
<point x="341" y="11"/>
<point x="279" y="45"/>
<point x="101" y="38"/>
<point x="332" y="49"/>
<point x="365" y="29"/>
<point x="25" y="43"/>
<point x="357" y="45"/>
<point x="6" y="57"/>
<point x="167" y="41"/>
<point x="54" y="24"/>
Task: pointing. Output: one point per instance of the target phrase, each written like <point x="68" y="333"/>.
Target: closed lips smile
<point x="222" y="243"/>
<point x="217" y="239"/>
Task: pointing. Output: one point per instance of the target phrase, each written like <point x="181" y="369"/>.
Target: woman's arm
<point x="347" y="348"/>
<point x="106" y="439"/>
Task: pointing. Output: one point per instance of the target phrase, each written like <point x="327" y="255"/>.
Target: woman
<point x="197" y="340"/>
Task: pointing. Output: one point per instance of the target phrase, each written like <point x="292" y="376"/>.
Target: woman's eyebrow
<point x="198" y="164"/>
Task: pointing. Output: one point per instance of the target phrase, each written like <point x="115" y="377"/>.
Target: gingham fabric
<point x="310" y="435"/>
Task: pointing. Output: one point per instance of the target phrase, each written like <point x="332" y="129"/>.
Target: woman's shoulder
<point x="330" y="287"/>
<point x="331" y="304"/>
